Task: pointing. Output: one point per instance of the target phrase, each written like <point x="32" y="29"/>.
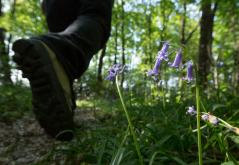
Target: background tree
<point x="206" y="39"/>
<point x="5" y="70"/>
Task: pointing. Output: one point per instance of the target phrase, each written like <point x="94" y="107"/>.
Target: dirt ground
<point x="24" y="142"/>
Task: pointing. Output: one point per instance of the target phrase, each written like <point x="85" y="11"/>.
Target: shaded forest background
<point x="208" y="33"/>
<point x="206" y="30"/>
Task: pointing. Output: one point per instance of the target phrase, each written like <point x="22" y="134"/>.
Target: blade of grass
<point x="119" y="154"/>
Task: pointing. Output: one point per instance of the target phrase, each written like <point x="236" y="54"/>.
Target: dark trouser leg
<point x="78" y="29"/>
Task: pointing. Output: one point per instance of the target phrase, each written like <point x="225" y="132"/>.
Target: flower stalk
<point x="131" y="127"/>
<point x="199" y="125"/>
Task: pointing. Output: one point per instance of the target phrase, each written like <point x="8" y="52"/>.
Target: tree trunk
<point x="184" y="38"/>
<point x="235" y="78"/>
<point x="122" y="38"/>
<point x="184" y="19"/>
<point x="205" y="42"/>
<point x="116" y="39"/>
<point x="236" y="72"/>
<point x="149" y="20"/>
<point x="5" y="69"/>
<point x="100" y="66"/>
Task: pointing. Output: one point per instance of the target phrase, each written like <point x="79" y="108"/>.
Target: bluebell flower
<point x="155" y="71"/>
<point x="189" y="76"/>
<point x="162" y="55"/>
<point x="213" y="120"/>
<point x="114" y="71"/>
<point x="205" y="117"/>
<point x="191" y="111"/>
<point x="178" y="59"/>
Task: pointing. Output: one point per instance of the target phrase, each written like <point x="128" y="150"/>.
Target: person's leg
<point x="83" y="37"/>
<point x="50" y="79"/>
<point x="59" y="13"/>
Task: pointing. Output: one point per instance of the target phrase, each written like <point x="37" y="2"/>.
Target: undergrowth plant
<point x="113" y="74"/>
<point x="207" y="117"/>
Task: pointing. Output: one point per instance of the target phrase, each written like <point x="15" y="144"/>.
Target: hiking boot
<point x="51" y="89"/>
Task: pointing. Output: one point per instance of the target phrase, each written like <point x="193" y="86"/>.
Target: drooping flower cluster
<point x="205" y="116"/>
<point x="213" y="120"/>
<point x="114" y="71"/>
<point x="163" y="56"/>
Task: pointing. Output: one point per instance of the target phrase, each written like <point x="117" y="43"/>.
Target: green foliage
<point x="24" y="19"/>
<point x="165" y="136"/>
<point x="14" y="102"/>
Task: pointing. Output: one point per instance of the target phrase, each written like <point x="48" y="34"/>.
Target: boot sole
<point x="49" y="103"/>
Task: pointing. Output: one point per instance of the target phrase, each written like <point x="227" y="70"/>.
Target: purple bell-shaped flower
<point x="191" y="111"/>
<point x="113" y="71"/>
<point x="177" y="60"/>
<point x="189" y="76"/>
<point x="155" y="71"/>
<point x="162" y="55"/>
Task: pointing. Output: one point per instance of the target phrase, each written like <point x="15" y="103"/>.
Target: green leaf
<point x="216" y="106"/>
<point x="235" y="139"/>
<point x="228" y="163"/>
<point x="118" y="157"/>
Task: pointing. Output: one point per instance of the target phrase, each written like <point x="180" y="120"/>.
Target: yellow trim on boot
<point x="61" y="75"/>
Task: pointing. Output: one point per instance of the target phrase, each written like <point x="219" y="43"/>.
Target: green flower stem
<point x="164" y="102"/>
<point x="130" y="123"/>
<point x="198" y="126"/>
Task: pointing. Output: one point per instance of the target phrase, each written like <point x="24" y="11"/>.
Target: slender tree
<point x="5" y="69"/>
<point x="236" y="63"/>
<point x="116" y="37"/>
<point x="233" y="24"/>
<point x="184" y="18"/>
<point x="148" y="15"/>
<point x="184" y="39"/>
<point x="206" y="38"/>
<point x="100" y="65"/>
<point x="123" y="37"/>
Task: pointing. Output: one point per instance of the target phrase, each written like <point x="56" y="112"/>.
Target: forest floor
<point x="102" y="136"/>
<point x="23" y="142"/>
